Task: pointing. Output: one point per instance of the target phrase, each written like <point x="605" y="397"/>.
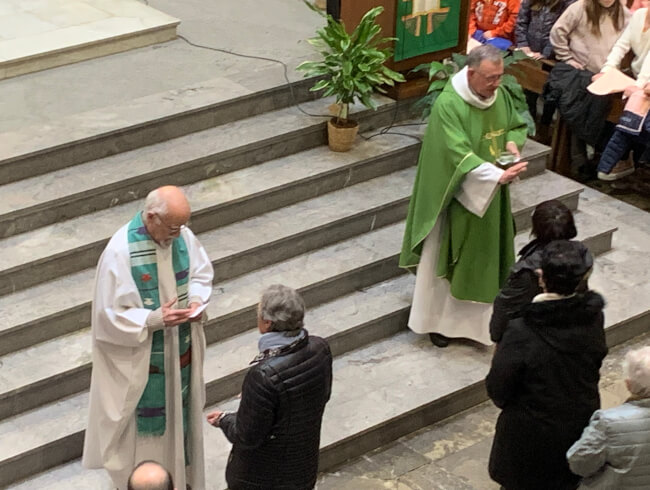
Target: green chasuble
<point x="475" y="253"/>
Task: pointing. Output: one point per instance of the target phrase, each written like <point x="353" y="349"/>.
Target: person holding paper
<point x="582" y="38"/>
<point x="147" y="391"/>
<point x="635" y="37"/>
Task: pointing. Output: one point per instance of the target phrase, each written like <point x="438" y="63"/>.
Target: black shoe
<point x="439" y="340"/>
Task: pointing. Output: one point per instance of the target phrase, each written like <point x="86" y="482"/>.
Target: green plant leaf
<point x="437" y="85"/>
<point x="320" y="85"/>
<point x="459" y="59"/>
<point x="434" y="68"/>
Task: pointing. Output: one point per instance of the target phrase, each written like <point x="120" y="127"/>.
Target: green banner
<point x="426" y="26"/>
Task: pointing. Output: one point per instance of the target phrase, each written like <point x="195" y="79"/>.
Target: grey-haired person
<point x="276" y="430"/>
<point x="614" y="450"/>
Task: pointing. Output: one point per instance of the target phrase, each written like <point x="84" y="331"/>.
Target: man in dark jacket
<point x="276" y="431"/>
<point x="544" y="376"/>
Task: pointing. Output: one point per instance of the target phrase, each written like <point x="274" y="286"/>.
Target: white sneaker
<point x="622" y="169"/>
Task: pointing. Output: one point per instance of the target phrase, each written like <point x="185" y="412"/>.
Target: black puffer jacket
<point x="584" y="112"/>
<point x="276" y="431"/>
<point x="522" y="286"/>
<point x="544" y="376"/>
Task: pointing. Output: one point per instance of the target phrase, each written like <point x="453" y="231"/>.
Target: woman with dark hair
<point x="544" y="376"/>
<point x="552" y="220"/>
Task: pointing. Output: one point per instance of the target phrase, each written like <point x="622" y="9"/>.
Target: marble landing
<point x="273" y="28"/>
<point x="40" y="34"/>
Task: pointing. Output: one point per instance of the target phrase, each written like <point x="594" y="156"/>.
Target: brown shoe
<point x="622" y="169"/>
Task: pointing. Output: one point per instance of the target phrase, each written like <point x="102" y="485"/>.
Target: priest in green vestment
<point x="459" y="233"/>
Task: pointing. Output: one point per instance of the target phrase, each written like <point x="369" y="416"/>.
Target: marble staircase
<point x="270" y="204"/>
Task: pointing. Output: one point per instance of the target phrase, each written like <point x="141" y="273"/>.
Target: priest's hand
<point x="513" y="172"/>
<point x="193" y="306"/>
<point x="173" y="317"/>
<point x="512" y="147"/>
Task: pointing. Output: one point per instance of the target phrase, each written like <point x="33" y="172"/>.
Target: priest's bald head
<point x="484" y="70"/>
<point x="149" y="475"/>
<point x="166" y="212"/>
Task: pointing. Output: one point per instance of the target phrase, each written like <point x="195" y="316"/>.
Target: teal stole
<point x="150" y="412"/>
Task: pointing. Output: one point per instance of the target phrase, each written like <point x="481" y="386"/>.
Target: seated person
<point x="632" y="133"/>
<point x="493" y="22"/>
<point x="614" y="450"/>
<point x="532" y="36"/>
<point x="583" y="37"/>
<point x="635" y="38"/>
<point x="544" y="376"/>
<point x="552" y="220"/>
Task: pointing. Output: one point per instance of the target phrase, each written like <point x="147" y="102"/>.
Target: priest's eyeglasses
<point x="491" y="78"/>
<point x="172" y="229"/>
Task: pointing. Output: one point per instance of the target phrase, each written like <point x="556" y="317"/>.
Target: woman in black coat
<point x="544" y="376"/>
<point x="551" y="220"/>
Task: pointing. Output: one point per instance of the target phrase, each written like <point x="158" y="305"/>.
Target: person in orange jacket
<point x="493" y="21"/>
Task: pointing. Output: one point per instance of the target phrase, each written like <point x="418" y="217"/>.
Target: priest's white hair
<point x="283" y="307"/>
<point x="636" y="367"/>
<point x="482" y="53"/>
<point x="155" y="203"/>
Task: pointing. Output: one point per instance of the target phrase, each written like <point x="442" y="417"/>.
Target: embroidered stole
<point x="150" y="412"/>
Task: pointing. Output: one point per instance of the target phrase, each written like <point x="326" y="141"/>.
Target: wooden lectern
<point x="428" y="30"/>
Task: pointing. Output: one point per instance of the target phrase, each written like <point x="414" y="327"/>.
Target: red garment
<point x="498" y="16"/>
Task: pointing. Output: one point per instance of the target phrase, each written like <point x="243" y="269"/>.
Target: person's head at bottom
<point x="565" y="264"/>
<point x="149" y="475"/>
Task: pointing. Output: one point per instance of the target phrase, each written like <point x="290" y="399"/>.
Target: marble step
<point x="95" y="134"/>
<point x="61" y="366"/>
<point x="51" y="37"/>
<point x="62" y="305"/>
<point x="124" y="177"/>
<point x="406" y="384"/>
<point x="66" y="247"/>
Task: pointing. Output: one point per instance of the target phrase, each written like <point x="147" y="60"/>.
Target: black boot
<point x="439" y="340"/>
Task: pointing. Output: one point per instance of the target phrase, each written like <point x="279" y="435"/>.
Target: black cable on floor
<point x="285" y="68"/>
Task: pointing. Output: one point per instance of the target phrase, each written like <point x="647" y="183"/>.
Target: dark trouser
<point x="547" y="113"/>
<point x="619" y="146"/>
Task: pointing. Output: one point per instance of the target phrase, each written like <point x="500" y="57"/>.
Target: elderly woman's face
<point x="263" y="326"/>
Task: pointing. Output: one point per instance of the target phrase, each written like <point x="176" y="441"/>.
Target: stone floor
<point x="453" y="454"/>
<point x="633" y="189"/>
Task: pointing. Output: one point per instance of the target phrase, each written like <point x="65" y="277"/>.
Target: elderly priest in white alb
<point x="147" y="391"/>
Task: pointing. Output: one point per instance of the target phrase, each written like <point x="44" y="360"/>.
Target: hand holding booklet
<point x="611" y="82"/>
<point x="197" y="313"/>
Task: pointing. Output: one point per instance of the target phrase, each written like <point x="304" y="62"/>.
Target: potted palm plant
<point x="351" y="69"/>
